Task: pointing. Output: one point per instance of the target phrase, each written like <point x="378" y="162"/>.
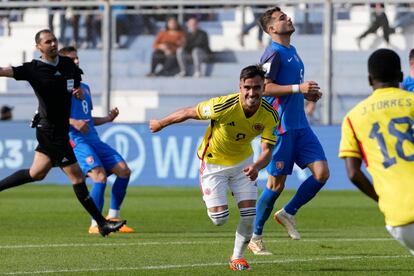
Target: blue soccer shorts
<point x="300" y="146"/>
<point x="96" y="154"/>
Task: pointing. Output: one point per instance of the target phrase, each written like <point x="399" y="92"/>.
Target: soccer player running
<point x="95" y="157"/>
<point x="226" y="153"/>
<point x="379" y="131"/>
<point x="286" y="90"/>
<point x="54" y="80"/>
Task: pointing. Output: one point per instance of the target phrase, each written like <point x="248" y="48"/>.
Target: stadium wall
<point x="167" y="158"/>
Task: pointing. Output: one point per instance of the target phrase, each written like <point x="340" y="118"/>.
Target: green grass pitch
<point x="43" y="231"/>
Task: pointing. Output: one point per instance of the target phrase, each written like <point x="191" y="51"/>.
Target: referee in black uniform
<point x="54" y="79"/>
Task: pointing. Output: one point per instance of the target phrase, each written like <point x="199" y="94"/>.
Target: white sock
<point x="244" y="231"/>
<point x="93" y="223"/>
<point x="112" y="213"/>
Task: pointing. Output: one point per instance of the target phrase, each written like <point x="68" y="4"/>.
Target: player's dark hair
<point x="411" y="55"/>
<point x="66" y="50"/>
<point x="384" y="65"/>
<point x="37" y="36"/>
<point x="266" y="18"/>
<point x="252" y="71"/>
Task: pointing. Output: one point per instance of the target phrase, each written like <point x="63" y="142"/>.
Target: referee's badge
<point x="280" y="165"/>
<point x="70" y="84"/>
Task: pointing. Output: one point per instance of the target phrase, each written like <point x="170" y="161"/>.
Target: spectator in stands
<point x="73" y="17"/>
<point x="247" y="27"/>
<point x="165" y="47"/>
<point x="5" y="20"/>
<point x="121" y="24"/>
<point x="62" y="24"/>
<point x="196" y="45"/>
<point x="408" y="82"/>
<point x="6" y="113"/>
<point x="378" y="20"/>
<point x="404" y="17"/>
<point x="93" y="23"/>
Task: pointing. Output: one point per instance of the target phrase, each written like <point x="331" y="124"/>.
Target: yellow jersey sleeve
<point x="348" y="146"/>
<point x="216" y="107"/>
<point x="271" y="125"/>
<point x="204" y="109"/>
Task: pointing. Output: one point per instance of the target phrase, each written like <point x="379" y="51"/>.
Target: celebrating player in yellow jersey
<point x="226" y="154"/>
<point x="379" y="130"/>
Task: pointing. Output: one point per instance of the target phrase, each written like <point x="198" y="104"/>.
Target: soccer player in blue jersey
<point x="96" y="158"/>
<point x="296" y="143"/>
<point x="408" y="82"/>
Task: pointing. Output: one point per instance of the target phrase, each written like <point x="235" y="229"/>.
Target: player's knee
<point x="322" y="176"/>
<point x="125" y="173"/>
<point x="38" y="176"/>
<point x="219" y="218"/>
<point x="276" y="186"/>
<point x="101" y="178"/>
<point x="98" y="175"/>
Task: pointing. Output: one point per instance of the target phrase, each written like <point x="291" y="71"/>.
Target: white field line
<point x="166" y="267"/>
<point x="230" y="240"/>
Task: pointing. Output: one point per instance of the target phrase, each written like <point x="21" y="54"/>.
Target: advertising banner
<point x="167" y="158"/>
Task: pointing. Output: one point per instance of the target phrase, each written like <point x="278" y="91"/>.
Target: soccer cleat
<point x="258" y="247"/>
<point x="124" y="228"/>
<point x="288" y="222"/>
<point x="239" y="264"/>
<point x="110" y="226"/>
<point x="93" y="229"/>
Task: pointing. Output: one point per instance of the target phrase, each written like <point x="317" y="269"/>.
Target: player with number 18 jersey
<point x="379" y="130"/>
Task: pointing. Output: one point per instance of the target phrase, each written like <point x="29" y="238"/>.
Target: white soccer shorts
<point x="404" y="234"/>
<point x="215" y="179"/>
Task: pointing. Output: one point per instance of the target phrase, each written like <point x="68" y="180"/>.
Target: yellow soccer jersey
<point x="227" y="140"/>
<point x="380" y="131"/>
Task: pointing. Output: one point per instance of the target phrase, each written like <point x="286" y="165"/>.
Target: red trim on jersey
<point x="208" y="143"/>
<point x="72" y="144"/>
<point x="202" y="168"/>
<point x="276" y="107"/>
<point x="354" y="151"/>
<point x="364" y="156"/>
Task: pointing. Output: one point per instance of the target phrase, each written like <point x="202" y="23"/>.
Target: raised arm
<point x="6" y="72"/>
<point x="178" y="116"/>
<point x="310" y="89"/>
<point x="113" y="113"/>
<point x="252" y="171"/>
<point x="353" y="168"/>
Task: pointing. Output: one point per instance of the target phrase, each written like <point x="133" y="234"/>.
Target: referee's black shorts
<point x="55" y="144"/>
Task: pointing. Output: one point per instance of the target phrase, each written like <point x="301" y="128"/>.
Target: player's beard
<point x="252" y="102"/>
<point x="52" y="53"/>
<point x="289" y="32"/>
